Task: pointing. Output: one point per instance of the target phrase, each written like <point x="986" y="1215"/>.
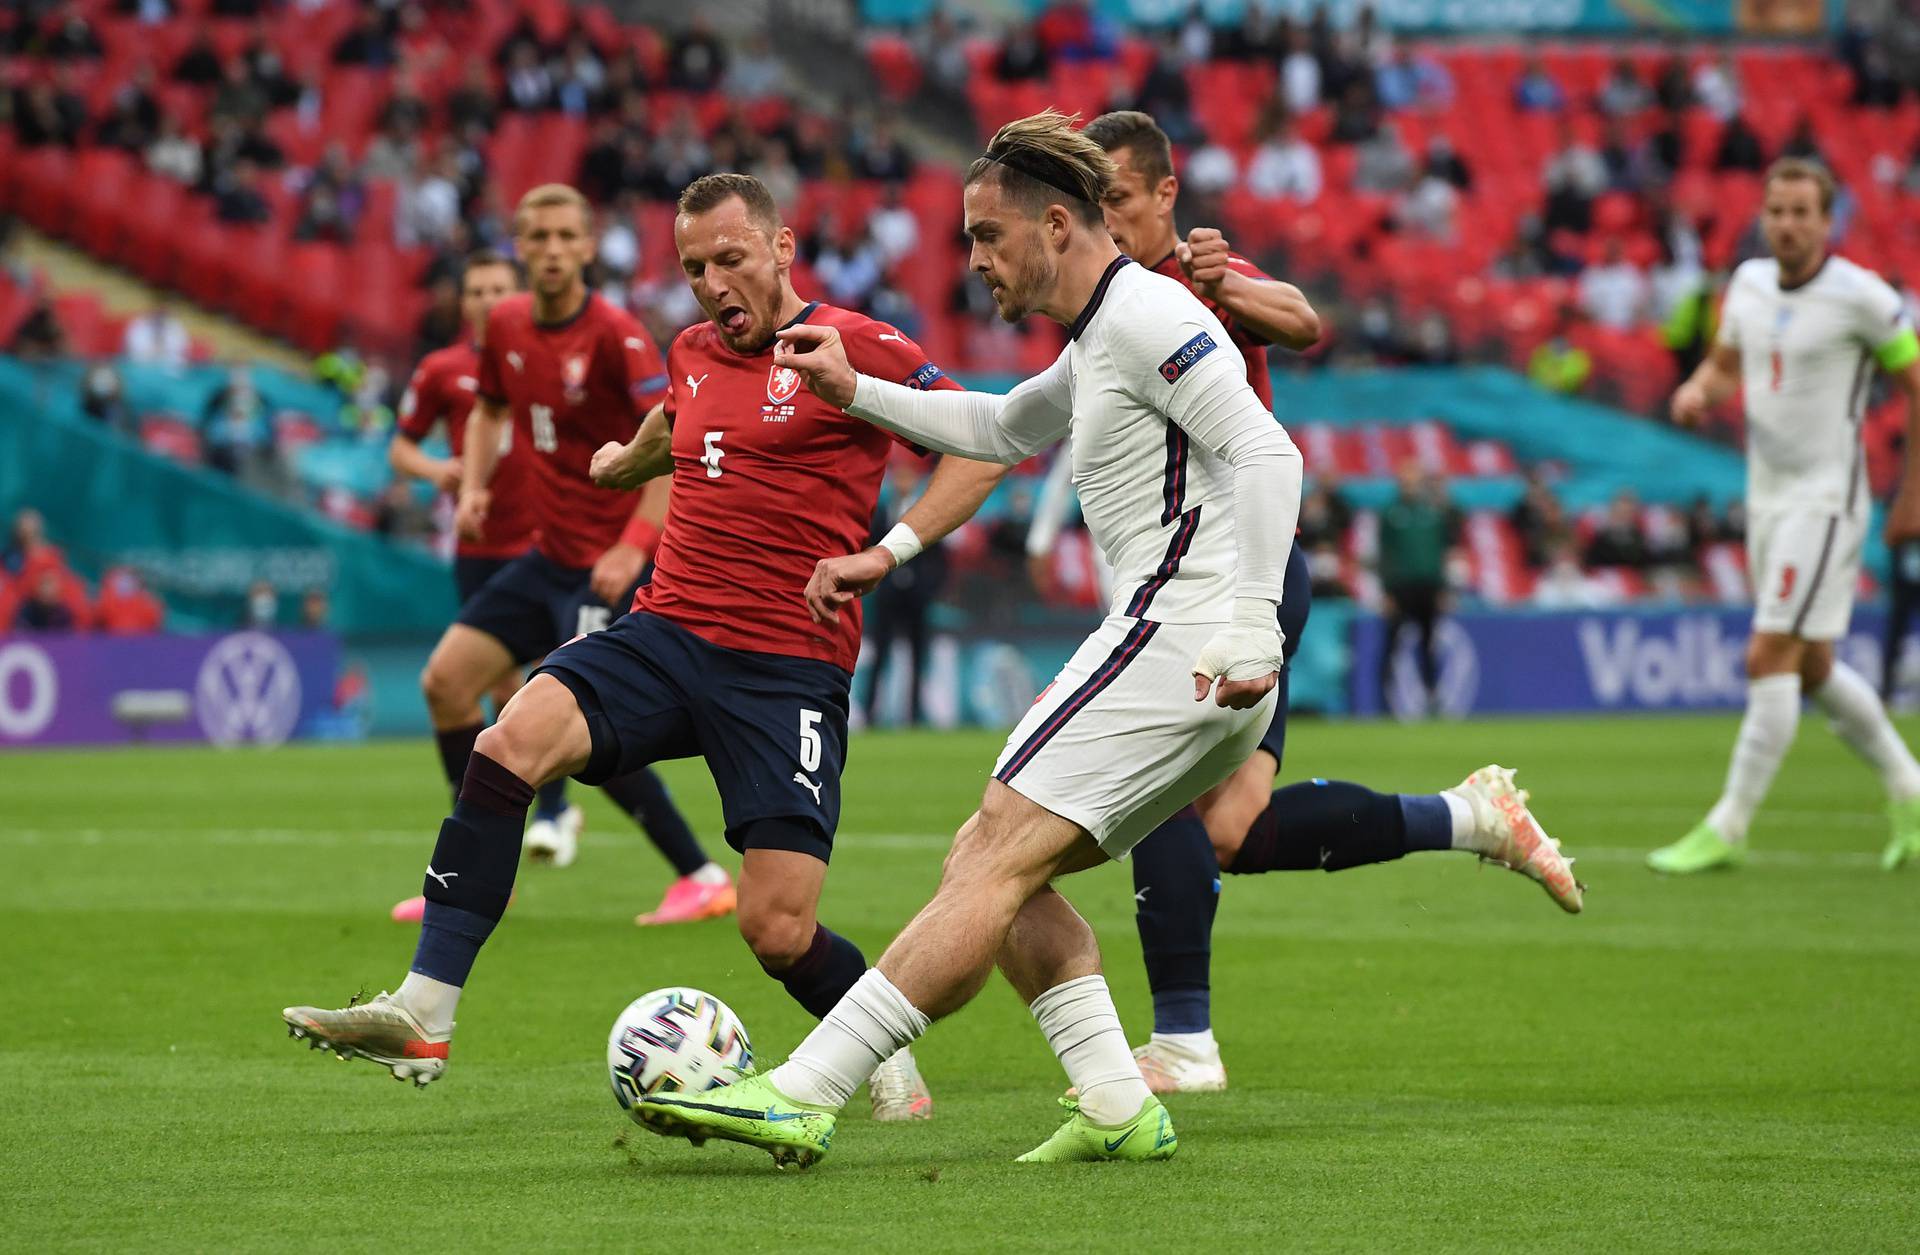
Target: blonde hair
<point x="551" y="196"/>
<point x="1046" y="160"/>
<point x="1812" y="171"/>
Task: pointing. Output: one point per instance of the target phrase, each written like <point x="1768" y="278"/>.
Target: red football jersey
<point x="1252" y="347"/>
<point x="767" y="480"/>
<point x="442" y="391"/>
<point x="572" y="386"/>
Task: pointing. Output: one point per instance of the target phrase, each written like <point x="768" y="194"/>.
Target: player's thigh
<point x="465" y="663"/>
<point x="1230" y="807"/>
<point x="541" y="735"/>
<point x="1804" y="566"/>
<point x="635" y="711"/>
<point x="1016" y="844"/>
<point x="774" y="734"/>
<point x="1117" y="743"/>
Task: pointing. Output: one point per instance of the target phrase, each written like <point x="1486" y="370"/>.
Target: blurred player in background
<point x="442" y="392"/>
<point x="560" y="371"/>
<point x="718" y="658"/>
<point x="1801" y="333"/>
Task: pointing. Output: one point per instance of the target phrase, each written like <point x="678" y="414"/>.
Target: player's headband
<point x="1033" y="169"/>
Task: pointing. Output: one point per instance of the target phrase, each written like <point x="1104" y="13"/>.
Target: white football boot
<point x="898" y="1090"/>
<point x="380" y="1031"/>
<point x="1513" y="838"/>
<point x="1172" y="1068"/>
<point x="556" y="842"/>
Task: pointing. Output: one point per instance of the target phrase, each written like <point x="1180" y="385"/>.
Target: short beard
<point x="1036" y="274"/>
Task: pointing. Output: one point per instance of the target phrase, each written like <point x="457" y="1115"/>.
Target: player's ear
<point x="1168" y="192"/>
<point x="1058" y="224"/>
<point x="783" y="248"/>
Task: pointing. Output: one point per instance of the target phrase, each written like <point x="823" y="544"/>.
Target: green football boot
<point x="1700" y="850"/>
<point x="750" y="1111"/>
<point x="1905" y="817"/>
<point x="1149" y="1135"/>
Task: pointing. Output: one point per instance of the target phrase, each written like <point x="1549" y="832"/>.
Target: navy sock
<point x="470" y="877"/>
<point x="644" y="796"/>
<point x="550" y="799"/>
<point x="456" y="747"/>
<point x="1429" y="821"/>
<point x="1176" y="891"/>
<point x="1326" y="824"/>
<point x="822" y="976"/>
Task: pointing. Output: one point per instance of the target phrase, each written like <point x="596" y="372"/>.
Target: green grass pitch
<point x="1425" y="1056"/>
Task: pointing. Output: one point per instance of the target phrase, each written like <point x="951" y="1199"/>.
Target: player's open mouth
<point x="734" y="320"/>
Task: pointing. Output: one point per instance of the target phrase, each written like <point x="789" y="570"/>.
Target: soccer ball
<point x="674" y="1039"/>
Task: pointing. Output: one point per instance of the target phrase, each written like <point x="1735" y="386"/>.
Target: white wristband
<point x="902" y="544"/>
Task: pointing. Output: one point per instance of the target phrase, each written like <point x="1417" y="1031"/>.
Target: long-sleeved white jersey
<point x="1187" y="483"/>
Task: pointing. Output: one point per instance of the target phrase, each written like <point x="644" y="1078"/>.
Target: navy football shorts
<point x="470" y="574"/>
<point x="533" y="605"/>
<point x="773" y="729"/>
<point x="1296" y="602"/>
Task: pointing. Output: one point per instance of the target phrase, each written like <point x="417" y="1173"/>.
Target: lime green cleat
<point x="1905" y="817"/>
<point x="1148" y="1135"/>
<point x="750" y="1111"/>
<point x="1700" y="850"/>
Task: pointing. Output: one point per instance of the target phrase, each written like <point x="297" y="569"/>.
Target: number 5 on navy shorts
<point x="772" y="729"/>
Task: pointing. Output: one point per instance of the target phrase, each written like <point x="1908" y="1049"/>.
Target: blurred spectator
<point x="1536" y="91"/>
<point x="322" y="217"/>
<point x="1560" y="364"/>
<point x="26" y="537"/>
<point x="133" y="119"/>
<point x="941" y="47"/>
<point x="103" y="399"/>
<point x="269" y="70"/>
<point x="1614" y="293"/>
<point x="900" y="608"/>
<point x="314" y="609"/>
<point x="1417" y="529"/>
<point x="1672" y="87"/>
<point x="39" y="336"/>
<point x="1623" y="94"/>
<point x="1432" y="343"/>
<point x="1626" y="160"/>
<point x="1410" y="81"/>
<point x="233" y="426"/>
<point x="1356" y="115"/>
<point x="529" y="86"/>
<point x="1429" y="209"/>
<point x="1875" y="84"/>
<point x="392" y="155"/>
<point x="429" y="204"/>
<point x="175" y="154"/>
<point x="1443" y="162"/>
<point x="473" y="101"/>
<point x="150" y="12"/>
<point x="199" y="65"/>
<point x="1739" y="148"/>
<point x="1324" y="515"/>
<point x="1802" y="142"/>
<point x="239" y="199"/>
<point x="1576" y="175"/>
<point x="440" y="322"/>
<point x="696" y="59"/>
<point x="1618" y="541"/>
<point x="238" y="96"/>
<point x="1324" y="574"/>
<point x="1259" y="37"/>
<point x="1299" y="75"/>
<point x="1539" y="520"/>
<point x="1285" y="165"/>
<point x="1382" y="163"/>
<point x="619" y="253"/>
<point x="1564" y="586"/>
<point x="879" y="154"/>
<point x="366" y="43"/>
<point x="1022" y="57"/>
<point x="72" y="38"/>
<point x="757" y="71"/>
<point x="1716" y="86"/>
<point x="580" y="85"/>
<point x="46" y="116"/>
<point x="157" y="337"/>
<point x="125" y="607"/>
<point x="1165" y="94"/>
<point x="1903" y="600"/>
<point x="849" y="270"/>
<point x="261" y="611"/>
<point x="1195" y="34"/>
<point x="895" y="229"/>
<point x="45" y="609"/>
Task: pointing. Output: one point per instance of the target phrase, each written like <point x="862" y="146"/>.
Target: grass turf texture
<point x="1424" y="1056"/>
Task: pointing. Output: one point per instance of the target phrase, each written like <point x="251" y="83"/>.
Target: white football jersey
<point x="1806" y="365"/>
<point x="1157" y="401"/>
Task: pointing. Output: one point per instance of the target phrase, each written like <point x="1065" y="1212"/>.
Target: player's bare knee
<point x="778" y="934"/>
<point x="444" y="688"/>
<point x="1816" y="664"/>
<point x="508" y="743"/>
<point x="1770" y="653"/>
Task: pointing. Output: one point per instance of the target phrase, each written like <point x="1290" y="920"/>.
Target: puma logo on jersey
<point x="811" y="787"/>
<point x="634" y="343"/>
<point x="467" y="383"/>
<point x="693" y="385"/>
<point x="889" y="335"/>
<point x="516" y="361"/>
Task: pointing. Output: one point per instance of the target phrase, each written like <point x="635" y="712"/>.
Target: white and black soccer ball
<point x="674" y="1039"/>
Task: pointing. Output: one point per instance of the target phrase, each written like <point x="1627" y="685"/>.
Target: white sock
<point x="709" y="874"/>
<point x="1466" y="829"/>
<point x="1200" y="1043"/>
<point x="429" y="1001"/>
<point x="866" y="1026"/>
<point x="1861" y="721"/>
<point x="1084" y="1030"/>
<point x="1766" y="733"/>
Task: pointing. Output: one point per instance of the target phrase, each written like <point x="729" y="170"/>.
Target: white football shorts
<point x="1805" y="566"/>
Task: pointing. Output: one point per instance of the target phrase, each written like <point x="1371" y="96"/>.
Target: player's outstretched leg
<point x="553" y="837"/>
<point x="702" y="890"/>
<point x="1176" y="893"/>
<point x="1001" y="857"/>
<point x="468" y="882"/>
<point x="1861" y="721"/>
